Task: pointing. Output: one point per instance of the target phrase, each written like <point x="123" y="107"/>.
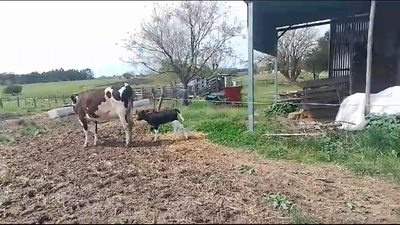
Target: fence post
<point x="63" y="98"/>
<point x="153" y="95"/>
<point x="25" y="101"/>
<point x="1" y="102"/>
<point x="48" y="101"/>
<point x="18" y="102"/>
<point x="34" y="102"/>
<point x="161" y="99"/>
<point x="134" y="98"/>
<point x="55" y="99"/>
<point x="142" y="91"/>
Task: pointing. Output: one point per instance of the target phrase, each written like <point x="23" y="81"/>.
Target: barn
<point x="353" y="66"/>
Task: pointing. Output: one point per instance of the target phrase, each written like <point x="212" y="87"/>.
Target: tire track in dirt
<point x="50" y="178"/>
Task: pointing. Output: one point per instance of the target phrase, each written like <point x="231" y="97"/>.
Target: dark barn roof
<point x="269" y="15"/>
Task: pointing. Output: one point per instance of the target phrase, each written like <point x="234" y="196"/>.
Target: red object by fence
<point x="233" y="94"/>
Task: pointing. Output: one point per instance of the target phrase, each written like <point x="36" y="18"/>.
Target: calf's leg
<point x="178" y="125"/>
<point x="155" y="132"/>
<point x="175" y="128"/>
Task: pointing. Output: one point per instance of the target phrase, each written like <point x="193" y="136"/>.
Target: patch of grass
<point x="30" y="128"/>
<point x="4" y="139"/>
<point x="299" y="218"/>
<point x="123" y="221"/>
<point x="350" y="204"/>
<point x="245" y="169"/>
<point x="278" y="201"/>
<point x="283" y="203"/>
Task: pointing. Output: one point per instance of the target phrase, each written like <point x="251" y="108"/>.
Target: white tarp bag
<point x="352" y="110"/>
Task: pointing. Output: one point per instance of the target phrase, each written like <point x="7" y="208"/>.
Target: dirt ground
<point x="50" y="178"/>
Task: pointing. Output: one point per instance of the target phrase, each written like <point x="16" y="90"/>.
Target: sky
<point x="45" y="35"/>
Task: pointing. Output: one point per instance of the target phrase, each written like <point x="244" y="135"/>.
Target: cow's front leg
<point x="126" y="126"/>
<point x="95" y="133"/>
<point x="84" y="124"/>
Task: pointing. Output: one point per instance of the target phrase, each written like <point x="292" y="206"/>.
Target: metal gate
<point x="344" y="35"/>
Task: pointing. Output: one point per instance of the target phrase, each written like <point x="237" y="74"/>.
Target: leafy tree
<point x="127" y="75"/>
<point x="293" y="48"/>
<point x="12" y="89"/>
<point x="317" y="59"/>
<point x="49" y="76"/>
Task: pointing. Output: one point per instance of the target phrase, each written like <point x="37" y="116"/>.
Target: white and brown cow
<point x="104" y="104"/>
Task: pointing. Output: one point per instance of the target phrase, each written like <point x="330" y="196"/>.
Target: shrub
<point x="280" y="109"/>
<point x="16" y="89"/>
<point x="382" y="121"/>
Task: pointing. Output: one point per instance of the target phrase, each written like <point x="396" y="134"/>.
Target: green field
<point x="59" y="88"/>
<point x="43" y="91"/>
<point x="55" y="94"/>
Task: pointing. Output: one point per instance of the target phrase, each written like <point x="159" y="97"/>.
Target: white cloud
<point x="45" y="35"/>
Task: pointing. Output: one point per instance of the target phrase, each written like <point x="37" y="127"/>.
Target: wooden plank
<point x="324" y="82"/>
<point x="328" y="89"/>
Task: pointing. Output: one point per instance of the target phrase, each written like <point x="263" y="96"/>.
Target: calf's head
<point x="141" y="114"/>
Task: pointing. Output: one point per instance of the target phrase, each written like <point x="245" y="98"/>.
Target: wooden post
<point x="34" y="102"/>
<point x="142" y="91"/>
<point x="1" y="102"/>
<point x="48" y="101"/>
<point x="134" y="95"/>
<point x="369" y="57"/>
<point x="55" y="99"/>
<point x="25" y="101"/>
<point x="18" y="102"/>
<point x="153" y="96"/>
<point x="63" y="99"/>
<point x="161" y="99"/>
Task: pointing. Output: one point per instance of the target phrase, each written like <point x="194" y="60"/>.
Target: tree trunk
<point x="292" y="79"/>
<point x="185" y="101"/>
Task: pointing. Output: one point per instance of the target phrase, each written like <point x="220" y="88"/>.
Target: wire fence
<point x="34" y="102"/>
<point x="59" y="101"/>
<point x="270" y="103"/>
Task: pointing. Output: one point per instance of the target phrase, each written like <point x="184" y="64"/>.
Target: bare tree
<point x="293" y="48"/>
<point x="190" y="40"/>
